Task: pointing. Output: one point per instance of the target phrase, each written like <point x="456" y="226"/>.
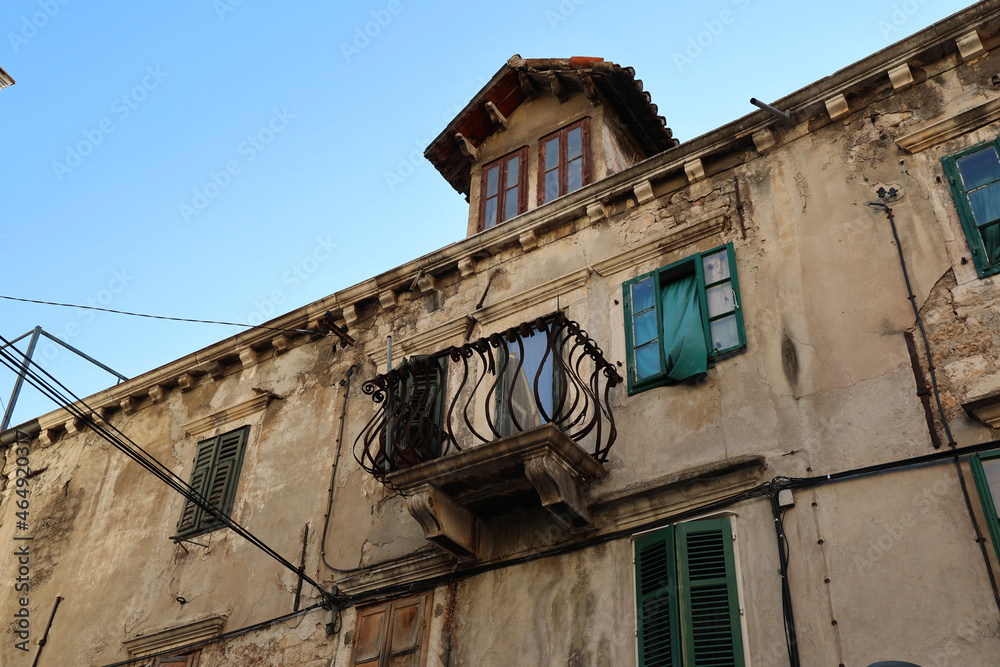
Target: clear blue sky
<point x="236" y="159"/>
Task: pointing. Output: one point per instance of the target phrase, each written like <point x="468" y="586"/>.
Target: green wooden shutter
<point x="710" y="614"/>
<point x="225" y="475"/>
<point x="656" y="597"/>
<point x="204" y="457"/>
<point x="418" y="435"/>
<point x="216" y="474"/>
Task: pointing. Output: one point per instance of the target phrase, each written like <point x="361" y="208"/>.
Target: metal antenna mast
<point x="35" y="333"/>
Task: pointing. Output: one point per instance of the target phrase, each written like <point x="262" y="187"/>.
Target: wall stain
<point x="790" y="361"/>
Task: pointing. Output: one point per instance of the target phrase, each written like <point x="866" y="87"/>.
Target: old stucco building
<point x="666" y="404"/>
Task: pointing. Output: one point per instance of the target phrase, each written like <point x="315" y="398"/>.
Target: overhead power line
<point x="154" y="317"/>
<point x="53" y="389"/>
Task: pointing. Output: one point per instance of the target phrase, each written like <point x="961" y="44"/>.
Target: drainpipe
<point x="882" y="206"/>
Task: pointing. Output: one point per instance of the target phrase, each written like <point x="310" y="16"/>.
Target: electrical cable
<point x="123" y="443"/>
<point x="791" y="637"/>
<point x="156" y="317"/>
<point x="937" y="398"/>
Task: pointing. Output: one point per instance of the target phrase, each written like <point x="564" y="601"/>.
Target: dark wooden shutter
<point x="392" y="634"/>
<point x="204" y="457"/>
<point x="407" y="624"/>
<point x="419" y="436"/>
<point x="370" y="636"/>
<point x="216" y="474"/>
<point x="710" y="614"/>
<point x="225" y="474"/>
<point x="656" y="596"/>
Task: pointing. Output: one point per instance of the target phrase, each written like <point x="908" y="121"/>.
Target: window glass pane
<point x="980" y="168"/>
<point x="724" y="333"/>
<point x="510" y="204"/>
<point x="716" y="267"/>
<point x="574" y="143"/>
<point x="991" y="467"/>
<point x="551" y="153"/>
<point x="647" y="360"/>
<point x="522" y="384"/>
<point x="985" y="204"/>
<point x="490" y="217"/>
<point x="512" y="165"/>
<point x="551" y="185"/>
<point x="642" y="295"/>
<point x="720" y="299"/>
<point x="644" y="327"/>
<point x="574" y="175"/>
<point x="492" y="180"/>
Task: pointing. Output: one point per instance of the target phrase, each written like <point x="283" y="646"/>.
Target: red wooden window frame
<point x="562" y="164"/>
<point x="393" y="633"/>
<point x="504" y="188"/>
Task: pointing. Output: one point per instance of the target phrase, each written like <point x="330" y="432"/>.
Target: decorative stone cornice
<point x="951" y="127"/>
<point x="655" y="249"/>
<point x="147" y="643"/>
<point x="231" y="414"/>
<point x="533" y="297"/>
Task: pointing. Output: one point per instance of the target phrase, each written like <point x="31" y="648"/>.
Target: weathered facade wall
<point x="883" y="565"/>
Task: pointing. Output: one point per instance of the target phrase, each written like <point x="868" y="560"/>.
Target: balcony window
<point x="541" y="372"/>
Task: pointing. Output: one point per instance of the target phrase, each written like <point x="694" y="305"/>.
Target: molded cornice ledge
<point x="949" y="128"/>
<point x="146" y="643"/>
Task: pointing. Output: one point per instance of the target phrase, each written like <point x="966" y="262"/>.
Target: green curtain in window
<point x="683" y="337"/>
<point x="991" y="243"/>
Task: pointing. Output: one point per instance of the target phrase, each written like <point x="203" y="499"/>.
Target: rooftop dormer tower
<point x="542" y="128"/>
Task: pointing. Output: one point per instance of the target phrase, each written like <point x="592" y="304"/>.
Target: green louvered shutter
<point x="216" y="473"/>
<point x="710" y="615"/>
<point x="222" y="487"/>
<point x="656" y="595"/>
<point x="191" y="515"/>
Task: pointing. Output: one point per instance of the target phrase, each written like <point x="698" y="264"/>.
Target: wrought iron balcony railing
<point x="545" y="371"/>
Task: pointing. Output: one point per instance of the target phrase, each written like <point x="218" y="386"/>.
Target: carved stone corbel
<point x="444" y="521"/>
<point x="559" y="491"/>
